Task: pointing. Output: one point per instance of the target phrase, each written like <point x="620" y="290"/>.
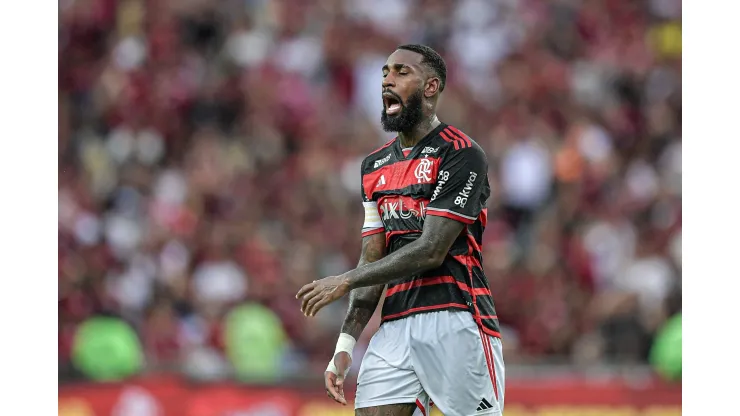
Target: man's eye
<point x="403" y="73"/>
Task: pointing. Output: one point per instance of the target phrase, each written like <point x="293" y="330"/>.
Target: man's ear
<point x="432" y="87"/>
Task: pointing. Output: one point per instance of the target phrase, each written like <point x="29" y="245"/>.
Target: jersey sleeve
<point x="373" y="224"/>
<point x="461" y="185"/>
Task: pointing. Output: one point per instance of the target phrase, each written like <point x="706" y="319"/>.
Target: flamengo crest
<point x="423" y="171"/>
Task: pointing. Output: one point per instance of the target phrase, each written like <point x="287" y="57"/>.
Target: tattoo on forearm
<point x="371" y="275"/>
<point x="416" y="257"/>
<point x="363" y="301"/>
<point x="362" y="304"/>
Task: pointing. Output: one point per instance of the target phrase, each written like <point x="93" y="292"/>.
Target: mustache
<point x="396" y="96"/>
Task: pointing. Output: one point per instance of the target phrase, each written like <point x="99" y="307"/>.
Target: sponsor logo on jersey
<point x="423" y="171"/>
<point x="381" y="162"/>
<point x="462" y="197"/>
<point x="442" y="179"/>
<point x="429" y="150"/>
<point x="394" y="208"/>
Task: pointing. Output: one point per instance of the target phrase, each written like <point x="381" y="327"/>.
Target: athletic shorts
<point x="439" y="356"/>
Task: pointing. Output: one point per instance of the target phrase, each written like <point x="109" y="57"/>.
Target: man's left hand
<point x="320" y="293"/>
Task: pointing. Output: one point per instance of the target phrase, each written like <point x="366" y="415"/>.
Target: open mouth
<point x="392" y="104"/>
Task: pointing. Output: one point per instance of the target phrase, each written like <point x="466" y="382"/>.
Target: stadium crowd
<point x="209" y="156"/>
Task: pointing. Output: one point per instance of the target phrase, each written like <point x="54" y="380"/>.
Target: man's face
<point x="403" y="84"/>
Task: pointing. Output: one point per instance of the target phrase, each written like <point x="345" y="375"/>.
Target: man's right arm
<point x="364" y="300"/>
<point x="362" y="304"/>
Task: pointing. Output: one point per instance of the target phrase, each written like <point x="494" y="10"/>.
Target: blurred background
<point x="209" y="158"/>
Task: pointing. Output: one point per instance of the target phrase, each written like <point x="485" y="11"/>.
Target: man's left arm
<point x="456" y="202"/>
<point x="425" y="253"/>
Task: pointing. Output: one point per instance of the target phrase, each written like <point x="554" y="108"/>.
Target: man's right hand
<point x="335" y="382"/>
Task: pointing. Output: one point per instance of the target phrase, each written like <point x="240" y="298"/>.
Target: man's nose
<point x="388" y="81"/>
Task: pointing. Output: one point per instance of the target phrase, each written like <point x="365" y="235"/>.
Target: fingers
<point x="305" y="289"/>
<point x="340" y="389"/>
<point x="316" y="304"/>
<point x="341" y="400"/>
<point x="314" y="297"/>
<point x="333" y="390"/>
<point x="306" y="293"/>
<point x="308" y="300"/>
<point x="304" y="304"/>
<point x="310" y="303"/>
<point x="313" y="302"/>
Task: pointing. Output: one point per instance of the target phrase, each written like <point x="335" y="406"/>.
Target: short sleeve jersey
<point x="445" y="174"/>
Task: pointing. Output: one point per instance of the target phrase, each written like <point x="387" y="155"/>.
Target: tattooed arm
<point x="364" y="300"/>
<point x="427" y="252"/>
<point x="460" y="197"/>
<point x="362" y="304"/>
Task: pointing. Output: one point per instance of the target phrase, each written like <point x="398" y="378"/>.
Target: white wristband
<point x="345" y="343"/>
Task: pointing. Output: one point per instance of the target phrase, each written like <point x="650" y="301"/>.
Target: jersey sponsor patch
<point x="401" y="207"/>
<point x="443" y="177"/>
<point x="380" y="162"/>
<point x="462" y="197"/>
<point x="429" y="150"/>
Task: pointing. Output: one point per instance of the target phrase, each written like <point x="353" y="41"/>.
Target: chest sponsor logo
<point x="423" y="171"/>
<point x="462" y="197"/>
<point x="381" y="162"/>
<point x="402" y="208"/>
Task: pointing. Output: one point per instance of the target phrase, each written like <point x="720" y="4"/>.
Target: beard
<point x="411" y="114"/>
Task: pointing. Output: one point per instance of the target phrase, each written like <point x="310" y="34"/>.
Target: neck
<point x="410" y="138"/>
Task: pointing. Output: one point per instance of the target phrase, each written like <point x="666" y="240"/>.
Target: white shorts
<point x="442" y="356"/>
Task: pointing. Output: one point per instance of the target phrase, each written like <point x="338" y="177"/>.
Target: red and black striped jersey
<point x="445" y="174"/>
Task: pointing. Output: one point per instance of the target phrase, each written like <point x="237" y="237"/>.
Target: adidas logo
<point x="381" y="181"/>
<point x="484" y="405"/>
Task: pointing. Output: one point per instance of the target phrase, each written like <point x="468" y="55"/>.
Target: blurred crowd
<point x="209" y="157"/>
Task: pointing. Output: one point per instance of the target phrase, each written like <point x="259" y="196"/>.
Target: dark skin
<point x="401" y="409"/>
<point x="404" y="75"/>
<point x="362" y="304"/>
<point x="425" y="253"/>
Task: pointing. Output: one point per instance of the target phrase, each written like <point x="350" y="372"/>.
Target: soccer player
<point x="425" y="195"/>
